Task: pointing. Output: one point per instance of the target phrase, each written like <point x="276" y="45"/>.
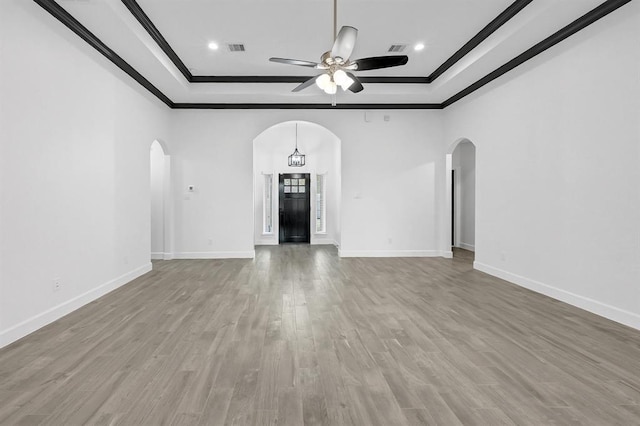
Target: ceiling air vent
<point x="397" y="48"/>
<point x="236" y="47"/>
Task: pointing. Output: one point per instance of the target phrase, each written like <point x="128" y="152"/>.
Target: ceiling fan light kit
<point x="338" y="66"/>
<point x="329" y="82"/>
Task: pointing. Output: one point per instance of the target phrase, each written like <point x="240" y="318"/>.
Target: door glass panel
<point x="294" y="189"/>
<point x="301" y="182"/>
<point x="287" y="189"/>
<point x="294" y="182"/>
<point x="300" y="189"/>
<point x="287" y="181"/>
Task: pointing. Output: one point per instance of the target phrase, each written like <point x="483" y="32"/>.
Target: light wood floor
<point x="300" y="336"/>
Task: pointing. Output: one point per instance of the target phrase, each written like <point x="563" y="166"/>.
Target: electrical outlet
<point x="57" y="284"/>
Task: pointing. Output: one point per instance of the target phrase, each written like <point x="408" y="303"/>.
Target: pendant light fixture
<point x="296" y="159"/>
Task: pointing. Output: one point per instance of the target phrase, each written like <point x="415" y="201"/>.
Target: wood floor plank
<point x="299" y="336"/>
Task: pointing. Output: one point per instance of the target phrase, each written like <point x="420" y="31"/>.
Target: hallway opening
<point x="461" y="196"/>
<point x="315" y="194"/>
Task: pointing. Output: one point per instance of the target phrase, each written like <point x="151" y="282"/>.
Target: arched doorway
<point x="160" y="198"/>
<point x="322" y="150"/>
<point x="460" y="218"/>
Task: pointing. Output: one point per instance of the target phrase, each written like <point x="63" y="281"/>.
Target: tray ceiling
<point x="166" y="43"/>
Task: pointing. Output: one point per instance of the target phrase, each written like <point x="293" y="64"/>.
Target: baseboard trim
<point x="607" y="311"/>
<point x="447" y="254"/>
<point x="161" y="256"/>
<point x="323" y="243"/>
<point x="38" y="321"/>
<point x="466" y="246"/>
<point x="267" y="243"/>
<point x="389" y="253"/>
<point x="216" y="255"/>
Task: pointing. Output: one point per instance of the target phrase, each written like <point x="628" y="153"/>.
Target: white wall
<point x="322" y="156"/>
<point x="388" y="179"/>
<point x="157" y="187"/>
<point x="464" y="164"/>
<point x="558" y="148"/>
<point x="74" y="136"/>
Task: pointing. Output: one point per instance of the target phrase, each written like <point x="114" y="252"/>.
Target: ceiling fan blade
<point x="297" y="62"/>
<point x="306" y="84"/>
<point x="378" y="62"/>
<point x="345" y="42"/>
<point x="356" y="86"/>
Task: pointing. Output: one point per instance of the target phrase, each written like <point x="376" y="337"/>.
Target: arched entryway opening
<point x="160" y="208"/>
<point x="271" y="170"/>
<point x="461" y="196"/>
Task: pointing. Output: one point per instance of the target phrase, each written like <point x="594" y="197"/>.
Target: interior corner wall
<point x="157" y="188"/>
<point x="75" y="134"/>
<point x="389" y="170"/>
<point x="557" y="153"/>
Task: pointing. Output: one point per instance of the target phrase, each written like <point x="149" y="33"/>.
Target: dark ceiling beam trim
<point x="584" y="21"/>
<point x="587" y="19"/>
<point x="297" y="79"/>
<point x="70" y="22"/>
<point x="303" y="106"/>
<point x="155" y="34"/>
<point x="489" y="29"/>
<point x="148" y="25"/>
<point x="484" y="33"/>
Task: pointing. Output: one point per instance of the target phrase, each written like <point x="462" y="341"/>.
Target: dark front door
<point x="294" y="208"/>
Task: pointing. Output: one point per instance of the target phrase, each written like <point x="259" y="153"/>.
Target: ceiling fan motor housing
<point x="328" y="60"/>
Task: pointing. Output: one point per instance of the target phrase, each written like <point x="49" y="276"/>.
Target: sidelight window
<point x="321" y="206"/>
<point x="268" y="204"/>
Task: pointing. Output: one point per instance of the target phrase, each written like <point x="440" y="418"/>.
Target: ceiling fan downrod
<point x="335" y="19"/>
<point x="337" y="65"/>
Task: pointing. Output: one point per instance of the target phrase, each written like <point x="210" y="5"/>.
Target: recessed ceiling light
<point x="418" y="47"/>
<point x="213" y="45"/>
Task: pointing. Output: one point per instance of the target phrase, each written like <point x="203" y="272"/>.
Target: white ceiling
<point x="302" y="29"/>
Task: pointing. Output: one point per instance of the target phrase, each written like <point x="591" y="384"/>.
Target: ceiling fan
<point x="338" y="67"/>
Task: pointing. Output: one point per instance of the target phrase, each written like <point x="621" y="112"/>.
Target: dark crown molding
<point x="70" y="22"/>
<point x="303" y="106"/>
<point x="484" y="33"/>
<point x="584" y="21"/>
<point x="151" y="29"/>
<point x="146" y="23"/>
<point x="297" y="79"/>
